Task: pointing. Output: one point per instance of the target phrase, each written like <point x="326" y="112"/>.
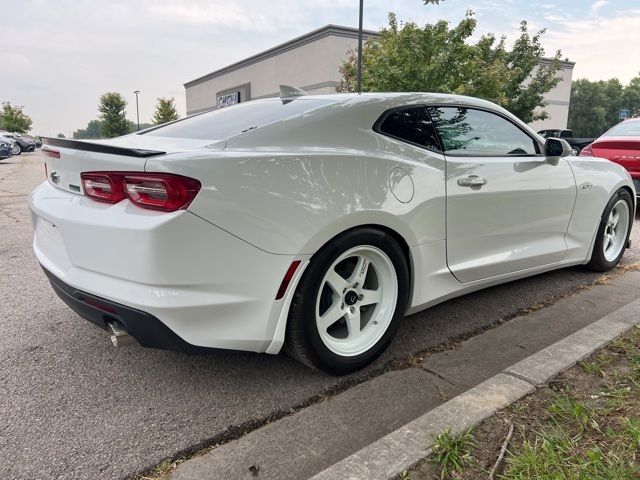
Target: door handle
<point x="472" y="181"/>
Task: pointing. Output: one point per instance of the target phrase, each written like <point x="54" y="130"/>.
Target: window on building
<point x="466" y="131"/>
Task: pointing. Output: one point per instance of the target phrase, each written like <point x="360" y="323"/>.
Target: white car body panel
<point x="530" y="201"/>
<point x="278" y="193"/>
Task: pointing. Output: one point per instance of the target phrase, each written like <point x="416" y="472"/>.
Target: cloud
<point x="600" y="49"/>
<point x="58" y="56"/>
<point x="598" y="5"/>
<point x="12" y="61"/>
<point x="219" y="14"/>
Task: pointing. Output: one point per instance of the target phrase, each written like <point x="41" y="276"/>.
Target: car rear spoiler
<point x="99" y="147"/>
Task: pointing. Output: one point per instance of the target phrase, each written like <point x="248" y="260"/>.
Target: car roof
<point x="426" y="97"/>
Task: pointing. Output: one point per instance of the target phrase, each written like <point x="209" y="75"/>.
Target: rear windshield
<point x="625" y="129"/>
<point x="229" y="121"/>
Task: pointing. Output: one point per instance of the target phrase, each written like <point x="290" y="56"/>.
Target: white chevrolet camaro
<point x="315" y="223"/>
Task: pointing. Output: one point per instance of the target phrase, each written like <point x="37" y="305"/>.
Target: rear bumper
<point x="144" y="327"/>
<point x="170" y="273"/>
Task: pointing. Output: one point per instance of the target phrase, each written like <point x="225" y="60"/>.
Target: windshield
<point x="625" y="129"/>
<point x="230" y="121"/>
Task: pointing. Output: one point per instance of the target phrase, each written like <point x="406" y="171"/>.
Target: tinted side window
<point x="412" y="125"/>
<point x="466" y="131"/>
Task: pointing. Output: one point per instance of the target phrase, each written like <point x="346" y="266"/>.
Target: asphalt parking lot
<point x="73" y="406"/>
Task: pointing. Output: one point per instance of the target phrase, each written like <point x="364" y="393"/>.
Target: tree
<point x="13" y="119"/>
<point x="92" y="130"/>
<point x="595" y="106"/>
<point x="61" y="135"/>
<point x="631" y="97"/>
<point x="133" y="127"/>
<point x="112" y="116"/>
<point x="440" y="58"/>
<point x="165" y="111"/>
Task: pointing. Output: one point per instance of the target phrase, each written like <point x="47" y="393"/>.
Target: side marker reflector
<point x="287" y="279"/>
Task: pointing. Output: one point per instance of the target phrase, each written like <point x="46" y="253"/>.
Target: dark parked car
<point x="8" y="138"/>
<point x="35" y="140"/>
<point x="577" y="144"/>
<point x="25" y="143"/>
<point x="5" y="149"/>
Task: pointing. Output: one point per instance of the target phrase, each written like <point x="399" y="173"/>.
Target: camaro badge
<point x="55" y="178"/>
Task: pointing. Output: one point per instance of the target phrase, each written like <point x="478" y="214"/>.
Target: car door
<point x="508" y="206"/>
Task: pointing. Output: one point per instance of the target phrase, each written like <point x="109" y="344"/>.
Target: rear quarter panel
<point x="327" y="174"/>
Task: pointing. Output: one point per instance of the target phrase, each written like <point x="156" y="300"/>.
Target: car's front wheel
<point x="613" y="232"/>
<point x="349" y="303"/>
<point x="15" y="149"/>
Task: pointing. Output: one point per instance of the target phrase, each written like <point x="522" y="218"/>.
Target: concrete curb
<point x="406" y="446"/>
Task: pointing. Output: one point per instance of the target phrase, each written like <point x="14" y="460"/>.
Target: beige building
<point x="312" y="62"/>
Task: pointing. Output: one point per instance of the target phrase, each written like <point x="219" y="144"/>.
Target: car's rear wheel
<point x="349" y="302"/>
<point x="613" y="232"/>
<point x="15" y="149"/>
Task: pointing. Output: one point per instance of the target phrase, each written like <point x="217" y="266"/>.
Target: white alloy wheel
<point x="356" y="300"/>
<point x="615" y="233"/>
<point x="15" y="149"/>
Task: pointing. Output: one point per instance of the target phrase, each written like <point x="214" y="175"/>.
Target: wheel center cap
<point x="350" y="298"/>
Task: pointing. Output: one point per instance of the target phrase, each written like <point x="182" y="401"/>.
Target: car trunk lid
<point x="621" y="150"/>
<point x="66" y="159"/>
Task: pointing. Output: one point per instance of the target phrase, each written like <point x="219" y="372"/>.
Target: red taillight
<point x="161" y="191"/>
<point x="157" y="191"/>
<point x="104" y="187"/>
<point x="51" y="153"/>
<point x="587" y="151"/>
<point x="287" y="279"/>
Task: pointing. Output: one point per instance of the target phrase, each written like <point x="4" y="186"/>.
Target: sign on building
<point x="228" y="99"/>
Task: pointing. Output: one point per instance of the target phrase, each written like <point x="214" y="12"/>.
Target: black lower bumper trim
<point x="144" y="327"/>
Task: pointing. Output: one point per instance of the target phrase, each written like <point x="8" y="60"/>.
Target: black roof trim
<point x="99" y="147"/>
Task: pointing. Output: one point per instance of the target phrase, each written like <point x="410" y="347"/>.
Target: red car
<point x="620" y="144"/>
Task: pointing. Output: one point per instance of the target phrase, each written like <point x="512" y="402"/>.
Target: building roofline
<point x="327" y="30"/>
<point x="563" y="63"/>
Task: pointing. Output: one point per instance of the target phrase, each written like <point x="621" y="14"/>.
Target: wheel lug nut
<point x="352" y="309"/>
<point x="342" y="306"/>
<point x="355" y="285"/>
<point x="359" y="297"/>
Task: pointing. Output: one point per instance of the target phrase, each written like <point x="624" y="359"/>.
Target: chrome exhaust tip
<point x="119" y="335"/>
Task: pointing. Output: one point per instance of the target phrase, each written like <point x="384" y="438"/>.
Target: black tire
<point x="303" y="341"/>
<point x="598" y="261"/>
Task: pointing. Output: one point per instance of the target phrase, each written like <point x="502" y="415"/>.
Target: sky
<point x="58" y="56"/>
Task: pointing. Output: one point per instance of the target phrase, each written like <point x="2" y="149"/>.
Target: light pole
<point x="359" y="77"/>
<point x="137" y="109"/>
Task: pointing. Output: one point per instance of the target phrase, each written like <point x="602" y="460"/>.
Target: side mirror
<point x="556" y="147"/>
